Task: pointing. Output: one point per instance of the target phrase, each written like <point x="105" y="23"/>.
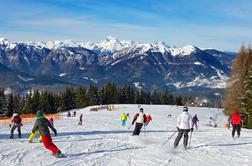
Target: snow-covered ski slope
<point x="102" y="141"/>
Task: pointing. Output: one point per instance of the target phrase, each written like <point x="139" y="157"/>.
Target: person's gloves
<point x="21" y="124"/>
<point x="132" y="123"/>
<point x="192" y="129"/>
<point x="55" y="132"/>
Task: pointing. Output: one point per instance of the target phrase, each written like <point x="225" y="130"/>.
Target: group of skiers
<point x="185" y="124"/>
<point x="41" y="126"/>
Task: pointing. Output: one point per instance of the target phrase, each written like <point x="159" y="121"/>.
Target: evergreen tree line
<point x="239" y="93"/>
<point x="80" y="97"/>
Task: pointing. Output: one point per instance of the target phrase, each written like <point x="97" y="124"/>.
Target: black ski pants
<point x="236" y="128"/>
<point x="13" y="129"/>
<point x="182" y="132"/>
<point x="137" y="128"/>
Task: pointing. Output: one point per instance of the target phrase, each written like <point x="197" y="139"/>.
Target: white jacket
<point x="140" y="118"/>
<point x="184" y="120"/>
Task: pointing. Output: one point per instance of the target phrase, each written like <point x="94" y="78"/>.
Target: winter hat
<point x="15" y="114"/>
<point x="39" y="113"/>
<point x="141" y="109"/>
<point x="185" y="109"/>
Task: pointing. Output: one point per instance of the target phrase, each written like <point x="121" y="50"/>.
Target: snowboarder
<point x="42" y="125"/>
<point x="51" y="121"/>
<point x="123" y="119"/>
<point x="195" y="121"/>
<point x="16" y="122"/>
<point x="184" y="127"/>
<point x="236" y="121"/>
<point x="148" y="119"/>
<point x="139" y="118"/>
<point x="80" y="121"/>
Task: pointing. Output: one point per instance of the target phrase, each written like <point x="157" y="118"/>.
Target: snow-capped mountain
<point x="147" y="65"/>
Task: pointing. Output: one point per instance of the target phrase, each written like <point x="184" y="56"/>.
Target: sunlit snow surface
<point x="102" y="141"/>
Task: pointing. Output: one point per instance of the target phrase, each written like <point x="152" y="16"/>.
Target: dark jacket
<point x="42" y="125"/>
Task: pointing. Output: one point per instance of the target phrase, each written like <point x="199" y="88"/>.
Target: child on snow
<point x="123" y="119"/>
<point x="16" y="122"/>
<point x="195" y="121"/>
<point x="42" y="125"/>
<point x="140" y="119"/>
<point x="148" y="119"/>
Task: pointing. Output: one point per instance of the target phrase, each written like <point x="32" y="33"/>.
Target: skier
<point x="74" y="114"/>
<point x="16" y="122"/>
<point x="139" y="118"/>
<point x="51" y="121"/>
<point x="229" y="122"/>
<point x="80" y="121"/>
<point x="236" y="123"/>
<point x="127" y="115"/>
<point x="68" y="114"/>
<point x="148" y="119"/>
<point x="42" y="125"/>
<point x="194" y="121"/>
<point x="123" y="119"/>
<point x="184" y="127"/>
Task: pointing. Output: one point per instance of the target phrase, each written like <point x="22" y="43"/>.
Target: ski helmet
<point x="141" y="109"/>
<point x="185" y="109"/>
<point x="39" y="113"/>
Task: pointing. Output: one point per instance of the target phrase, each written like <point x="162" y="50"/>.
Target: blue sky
<point x="221" y="24"/>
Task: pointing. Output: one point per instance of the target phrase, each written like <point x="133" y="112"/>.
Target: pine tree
<point x="81" y="100"/>
<point x="27" y="109"/>
<point x="3" y="104"/>
<point x="247" y="99"/>
<point x="10" y="106"/>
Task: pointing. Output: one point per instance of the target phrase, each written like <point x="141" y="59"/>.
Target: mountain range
<point x="148" y="66"/>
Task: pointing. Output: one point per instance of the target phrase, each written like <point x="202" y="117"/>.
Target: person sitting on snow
<point x="42" y="125"/>
<point x="16" y="122"/>
<point x="140" y="119"/>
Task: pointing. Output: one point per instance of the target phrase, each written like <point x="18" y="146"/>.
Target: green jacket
<point x="42" y="125"/>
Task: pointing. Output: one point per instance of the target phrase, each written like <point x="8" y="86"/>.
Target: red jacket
<point x="236" y="118"/>
<point x="148" y="118"/>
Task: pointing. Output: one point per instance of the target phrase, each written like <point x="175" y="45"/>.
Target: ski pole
<point x="190" y="139"/>
<point x="144" y="130"/>
<point x="170" y="137"/>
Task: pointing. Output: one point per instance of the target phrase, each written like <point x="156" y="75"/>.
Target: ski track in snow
<point x="102" y="141"/>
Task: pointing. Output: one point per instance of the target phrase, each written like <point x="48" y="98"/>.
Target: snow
<point x="62" y="74"/>
<point x="102" y="141"/>
<point x="184" y="51"/>
<point x="197" y="63"/>
<point x="138" y="85"/>
<point x="8" y="91"/>
<point x="25" y="79"/>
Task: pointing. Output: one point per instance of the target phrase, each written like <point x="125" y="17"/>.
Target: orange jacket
<point x="148" y="118"/>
